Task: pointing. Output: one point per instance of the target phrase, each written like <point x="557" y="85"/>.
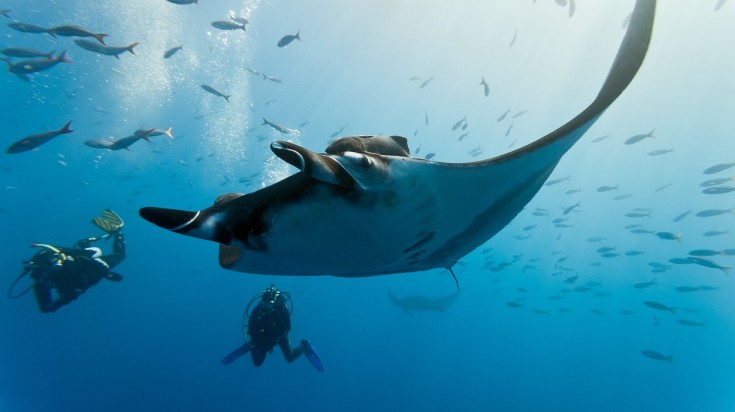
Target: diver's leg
<point x="245" y="348"/>
<point x="44" y="298"/>
<point x="118" y="250"/>
<point x="258" y="356"/>
<point x="291" y="354"/>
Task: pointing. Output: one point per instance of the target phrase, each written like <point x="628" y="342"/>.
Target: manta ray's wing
<point x="495" y="190"/>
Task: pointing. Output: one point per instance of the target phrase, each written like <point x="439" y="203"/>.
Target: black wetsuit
<point x="56" y="284"/>
<point x="268" y="326"/>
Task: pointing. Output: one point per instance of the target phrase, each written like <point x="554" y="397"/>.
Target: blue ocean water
<point x="154" y="341"/>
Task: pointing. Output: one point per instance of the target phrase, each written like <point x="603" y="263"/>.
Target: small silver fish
<point x="170" y="52"/>
<point x="459" y="123"/>
<point x="287" y="39"/>
<point x="637" y="138"/>
<point x="76" y="31"/>
<point x="714" y="212"/>
<point x="643" y="285"/>
<point x="601" y="138"/>
<point x="31" y="142"/>
<point x="486" y="88"/>
<point x="660" y="188"/>
<point x="712" y="233"/>
<point x="718" y="190"/>
<point x="513" y="40"/>
<point x="703" y="252"/>
<point x="277" y="127"/>
<point x="659" y="306"/>
<point x="686" y="322"/>
<point x="216" y="92"/>
<point x="145" y="133"/>
<point x="569" y="209"/>
<point x="708" y="263"/>
<point x="708" y="288"/>
<point x="556" y="181"/>
<point x="681" y="216"/>
<point x="339" y="132"/>
<point x="686" y="289"/>
<point x="99" y="143"/>
<point x="271" y="78"/>
<point x="519" y="114"/>
<point x="660" y="152"/>
<point x="716" y="182"/>
<point x="28" y="28"/>
<point x="228" y="25"/>
<point x="426" y="82"/>
<point x="657" y="356"/>
<point x="103" y="49"/>
<point x="607" y="188"/>
<point x="718" y="168"/>
<point x="502" y="116"/>
<point x="124" y="143"/>
<point x="670" y="236"/>
<point x="25" y="53"/>
<point x="25" y="67"/>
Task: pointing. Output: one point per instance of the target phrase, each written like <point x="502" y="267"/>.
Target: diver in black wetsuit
<point x="61" y="274"/>
<point x="268" y="325"/>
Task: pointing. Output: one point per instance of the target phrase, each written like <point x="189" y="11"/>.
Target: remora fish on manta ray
<point x="367" y="208"/>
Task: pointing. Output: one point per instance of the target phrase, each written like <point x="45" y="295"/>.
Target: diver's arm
<point x="85" y="243"/>
<point x="291" y="354"/>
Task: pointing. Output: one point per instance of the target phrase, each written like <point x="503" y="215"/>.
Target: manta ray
<point x="417" y="303"/>
<point x="366" y="207"/>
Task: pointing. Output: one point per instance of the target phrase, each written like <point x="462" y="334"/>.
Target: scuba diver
<point x="268" y="325"/>
<point x="61" y="274"/>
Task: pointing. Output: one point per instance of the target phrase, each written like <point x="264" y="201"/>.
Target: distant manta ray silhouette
<point x="367" y="208"/>
<point x="418" y="303"/>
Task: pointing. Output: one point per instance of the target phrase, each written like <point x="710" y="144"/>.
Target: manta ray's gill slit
<point x="421" y="242"/>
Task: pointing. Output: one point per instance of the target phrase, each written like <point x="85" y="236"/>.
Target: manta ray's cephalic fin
<point x="318" y="166"/>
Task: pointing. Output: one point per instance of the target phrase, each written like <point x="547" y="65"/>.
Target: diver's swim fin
<point x="109" y="222"/>
<point x="245" y="348"/>
<point x="312" y="356"/>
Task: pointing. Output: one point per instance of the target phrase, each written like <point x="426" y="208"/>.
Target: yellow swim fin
<point x="109" y="222"/>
